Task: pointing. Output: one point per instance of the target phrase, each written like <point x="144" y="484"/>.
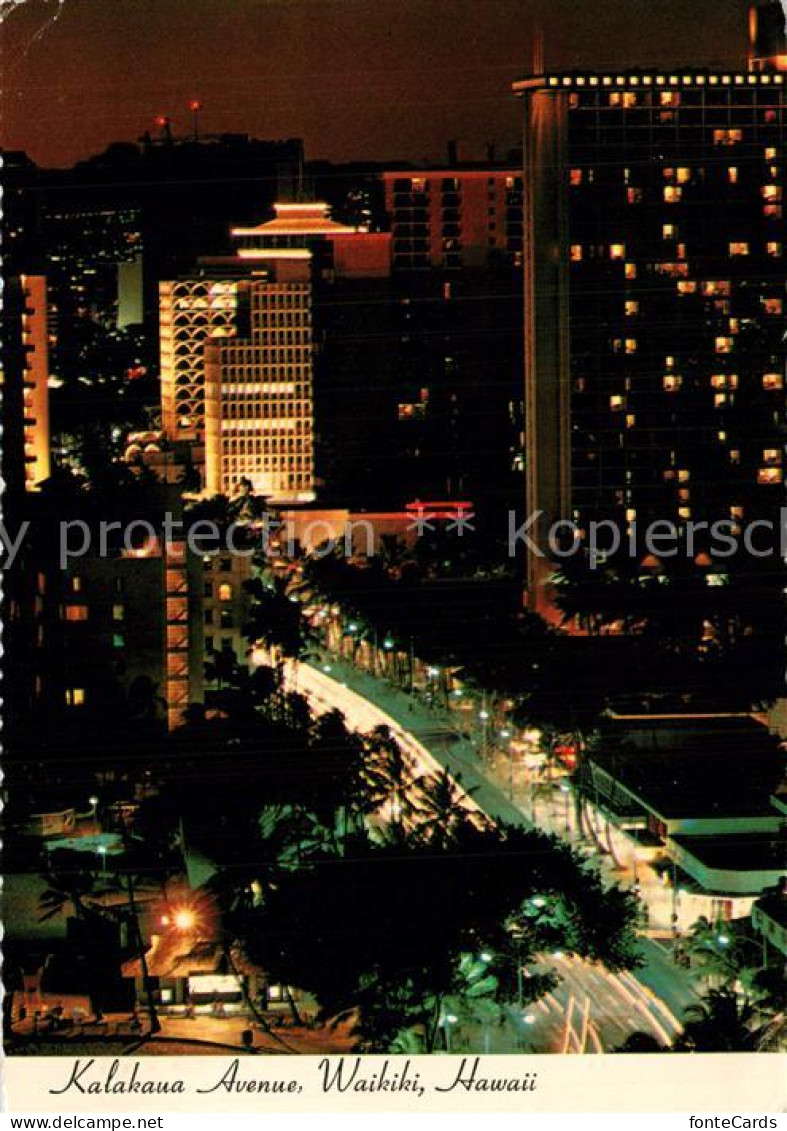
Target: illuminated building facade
<point x="25" y="380"/>
<point x="454" y="217"/>
<point x="258" y="395"/>
<point x="655" y="284"/>
<point x="238" y="360"/>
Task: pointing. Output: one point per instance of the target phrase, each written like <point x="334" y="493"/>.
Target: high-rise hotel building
<point x="238" y="352"/>
<point x="655" y="293"/>
<point x="25" y="381"/>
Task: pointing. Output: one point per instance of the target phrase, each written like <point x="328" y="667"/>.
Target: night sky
<point x="353" y="78"/>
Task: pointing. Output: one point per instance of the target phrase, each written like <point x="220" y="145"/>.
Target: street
<point x="592" y="1010"/>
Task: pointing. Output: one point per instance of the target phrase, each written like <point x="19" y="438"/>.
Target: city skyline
<point x="63" y="104"/>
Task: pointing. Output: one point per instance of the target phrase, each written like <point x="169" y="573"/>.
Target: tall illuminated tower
<point x="654" y="298"/>
<point x="25" y="380"/>
<point x="238" y="355"/>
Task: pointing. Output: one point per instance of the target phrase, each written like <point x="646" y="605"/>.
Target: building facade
<point x="238" y="351"/>
<point x="454" y="217"/>
<point x="25" y="380"/>
<point x="655" y="298"/>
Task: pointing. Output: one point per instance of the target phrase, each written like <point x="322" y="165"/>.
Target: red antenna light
<point x="161" y="120"/>
<point x="195" y="106"/>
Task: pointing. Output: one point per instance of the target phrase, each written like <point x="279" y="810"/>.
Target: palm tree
<point x="276" y="619"/>
<point x="718" y="954"/>
<point x="386" y="777"/>
<point x="721" y="1022"/>
<point x="440" y="809"/>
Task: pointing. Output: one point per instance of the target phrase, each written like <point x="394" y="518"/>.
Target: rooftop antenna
<point x="196" y="107"/>
<point x="538" y="52"/>
<point x="164" y="124"/>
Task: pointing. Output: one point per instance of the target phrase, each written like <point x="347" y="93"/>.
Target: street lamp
<point x="565" y="789"/>
<point x="449" y="1020"/>
<point x="505" y="734"/>
<point x="185" y="919"/>
<point x="102" y="855"/>
<point x="489" y="958"/>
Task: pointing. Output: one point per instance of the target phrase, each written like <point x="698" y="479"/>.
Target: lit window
<point x="75" y="696"/>
<point x="735" y="455"/>
<point x="670" y="98"/>
<point x="772" y="192"/>
<point x="616" y="403"/>
<point x="634" y="195"/>
<point x="724" y="381"/>
<point x="772" y="211"/>
<point x="739" y="248"/>
<point x="773" y="248"/>
<point x="671" y="382"/>
<point x="118" y="641"/>
<point x="617" y="251"/>
<point x="772" y="381"/>
<point x="632" y="307"/>
<point x="576" y="252"/>
<point x="576" y="176"/>
<point x="684" y="512"/>
<point x="631" y="514"/>
<point x="631" y="345"/>
<point x="727" y="137"/>
<point x="681" y="251"/>
<point x="629" y="99"/>
<point x="76" y="612"/>
<point x="716" y="287"/>
<point x="684" y="475"/>
<point x="118" y="612"/>
<point x="631" y="270"/>
<point x="672" y="194"/>
<point x="687" y="287"/>
<point x="669" y="231"/>
<point x="736" y="512"/>
<point x="769" y="475"/>
<point x="724" y="345"/>
<point x="225" y="592"/>
<point x="76" y="584"/>
<point x="772" y="456"/>
<point x="770" y="154"/>
<point x="683" y="175"/>
<point x="669" y="362"/>
<point x="719" y="400"/>
<point x="772" y="305"/>
<point x="722" y="437"/>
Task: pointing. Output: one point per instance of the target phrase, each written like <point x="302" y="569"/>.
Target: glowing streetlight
<point x="566" y="790"/>
<point x="449" y="1020"/>
<point x="185" y="919"/>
